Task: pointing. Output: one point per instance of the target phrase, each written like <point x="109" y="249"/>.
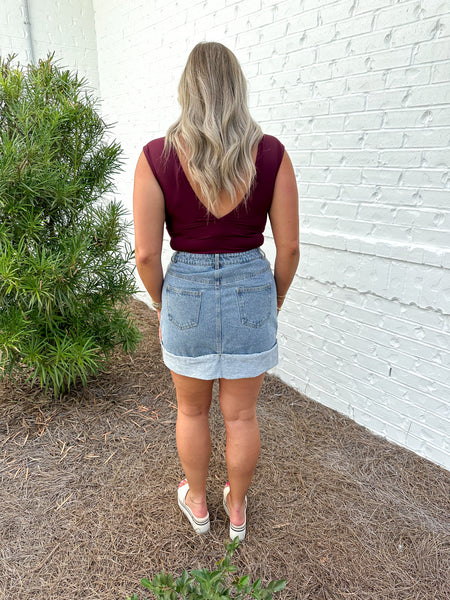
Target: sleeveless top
<point x="191" y="227"/>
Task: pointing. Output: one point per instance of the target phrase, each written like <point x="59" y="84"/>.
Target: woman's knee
<point x="239" y="417"/>
<point x="193" y="410"/>
<point x="238" y="397"/>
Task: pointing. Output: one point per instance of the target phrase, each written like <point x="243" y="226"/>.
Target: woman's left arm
<point x="149" y="216"/>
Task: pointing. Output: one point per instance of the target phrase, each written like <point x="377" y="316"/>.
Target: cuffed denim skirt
<point x="219" y="315"/>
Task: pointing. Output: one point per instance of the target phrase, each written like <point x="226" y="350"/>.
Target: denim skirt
<point x="219" y="315"/>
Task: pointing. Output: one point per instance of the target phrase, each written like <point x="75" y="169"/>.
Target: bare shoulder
<point x="145" y="181"/>
<point x="285" y="191"/>
<point x="143" y="169"/>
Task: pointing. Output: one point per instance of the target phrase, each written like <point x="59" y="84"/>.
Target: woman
<point x="213" y="180"/>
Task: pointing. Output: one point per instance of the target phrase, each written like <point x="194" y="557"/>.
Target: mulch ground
<point x="88" y="495"/>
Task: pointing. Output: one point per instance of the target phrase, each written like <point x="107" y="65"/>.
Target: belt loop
<point x="174" y="257"/>
<point x="217" y="261"/>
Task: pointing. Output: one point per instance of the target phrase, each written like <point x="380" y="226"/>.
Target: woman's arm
<point x="283" y="216"/>
<point x="149" y="215"/>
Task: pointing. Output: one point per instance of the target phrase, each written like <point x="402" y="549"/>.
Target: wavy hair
<point x="215" y="131"/>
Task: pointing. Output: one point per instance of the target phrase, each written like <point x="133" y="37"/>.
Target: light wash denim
<point x="219" y="315"/>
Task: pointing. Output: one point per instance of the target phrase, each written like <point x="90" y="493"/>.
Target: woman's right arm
<point x="284" y="219"/>
<point x="149" y="216"/>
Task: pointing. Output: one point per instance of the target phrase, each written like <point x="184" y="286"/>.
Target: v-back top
<point x="192" y="228"/>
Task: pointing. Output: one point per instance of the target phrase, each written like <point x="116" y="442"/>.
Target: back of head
<point x="215" y="130"/>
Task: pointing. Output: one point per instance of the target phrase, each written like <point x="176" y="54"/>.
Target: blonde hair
<point x="215" y="131"/>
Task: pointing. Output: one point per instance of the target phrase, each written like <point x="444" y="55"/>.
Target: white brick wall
<point x="65" y="27"/>
<point x="359" y="92"/>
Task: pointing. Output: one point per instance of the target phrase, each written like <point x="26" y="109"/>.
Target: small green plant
<point x="201" y="584"/>
<point x="65" y="261"/>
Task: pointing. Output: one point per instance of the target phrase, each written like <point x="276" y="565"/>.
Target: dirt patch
<point x="88" y="495"/>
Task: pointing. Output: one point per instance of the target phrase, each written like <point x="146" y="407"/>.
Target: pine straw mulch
<point x="88" y="488"/>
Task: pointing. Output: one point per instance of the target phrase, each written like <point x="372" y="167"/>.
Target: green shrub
<point x="201" y="584"/>
<point x="65" y="271"/>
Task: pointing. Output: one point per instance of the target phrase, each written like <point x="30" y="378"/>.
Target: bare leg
<point x="193" y="438"/>
<point x="238" y="399"/>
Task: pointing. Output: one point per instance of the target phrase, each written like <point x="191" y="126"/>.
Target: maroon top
<point x="191" y="227"/>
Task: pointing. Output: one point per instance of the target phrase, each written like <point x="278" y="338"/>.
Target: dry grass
<point x="88" y="484"/>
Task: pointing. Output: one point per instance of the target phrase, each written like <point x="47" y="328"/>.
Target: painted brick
<point x="363" y="121"/>
<point x="334" y="12"/>
<point x="338" y="176"/>
<point x="369" y="42"/>
<point x="398" y="78"/>
<point x="402" y="158"/>
<point x="437" y="158"/>
<point x="331" y="88"/>
<point x="422" y="30"/>
<point x="384" y="428"/>
<point x="318" y="34"/>
<point x="434" y="7"/>
<point x="315" y="107"/>
<point x="406" y="12"/>
<point x="441" y="72"/>
<point x="430" y="51"/>
<point x="361" y="23"/>
<point x="363" y="7"/>
<point x="433" y="179"/>
<point x="384" y="139"/>
<point x="349" y="103"/>
<point x="389" y="59"/>
<point x="349" y="158"/>
<point x="428" y="138"/>
<point x="427" y="434"/>
<point x="316" y="72"/>
<point x="424" y="96"/>
<point x="426" y="218"/>
<point x="333" y="208"/>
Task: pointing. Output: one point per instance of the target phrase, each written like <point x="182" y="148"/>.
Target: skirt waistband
<point x="217" y="260"/>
